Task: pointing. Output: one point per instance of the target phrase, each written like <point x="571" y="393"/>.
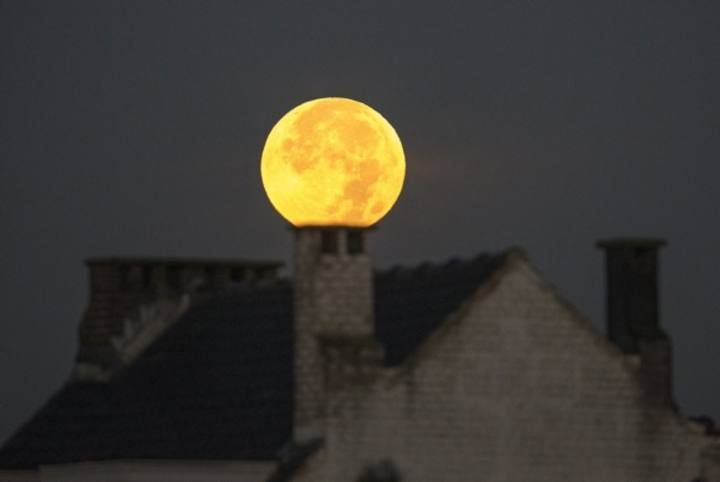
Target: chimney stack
<point x="632" y="311"/>
<point x="121" y="287"/>
<point x="333" y="318"/>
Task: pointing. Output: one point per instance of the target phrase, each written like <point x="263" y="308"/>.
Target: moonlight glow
<point x="333" y="161"/>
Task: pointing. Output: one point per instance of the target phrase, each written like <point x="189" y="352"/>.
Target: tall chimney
<point x="632" y="310"/>
<point x="333" y="309"/>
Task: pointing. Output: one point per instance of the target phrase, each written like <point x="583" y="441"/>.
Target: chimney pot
<point x="632" y="290"/>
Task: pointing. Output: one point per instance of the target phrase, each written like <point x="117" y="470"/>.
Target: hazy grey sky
<point x="135" y="128"/>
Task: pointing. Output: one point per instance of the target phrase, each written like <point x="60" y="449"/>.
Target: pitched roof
<point x="411" y="303"/>
<point x="218" y="383"/>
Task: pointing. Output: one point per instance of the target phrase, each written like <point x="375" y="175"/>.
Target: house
<point x="469" y="370"/>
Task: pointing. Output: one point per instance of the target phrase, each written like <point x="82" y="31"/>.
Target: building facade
<point x="466" y="371"/>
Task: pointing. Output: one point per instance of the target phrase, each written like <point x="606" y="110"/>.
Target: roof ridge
<point x="513" y="250"/>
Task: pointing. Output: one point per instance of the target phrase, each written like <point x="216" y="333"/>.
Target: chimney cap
<point x="619" y="243"/>
<point x="331" y="227"/>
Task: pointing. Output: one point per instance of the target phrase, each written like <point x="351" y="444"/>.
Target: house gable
<point x="515" y="385"/>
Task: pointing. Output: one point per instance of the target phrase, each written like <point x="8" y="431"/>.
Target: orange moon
<point x="333" y="161"/>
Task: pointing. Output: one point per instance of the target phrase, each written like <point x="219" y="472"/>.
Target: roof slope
<point x="411" y="303"/>
<point x="214" y="386"/>
<point x="218" y="383"/>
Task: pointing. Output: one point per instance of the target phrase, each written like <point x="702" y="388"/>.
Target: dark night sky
<point x="136" y="128"/>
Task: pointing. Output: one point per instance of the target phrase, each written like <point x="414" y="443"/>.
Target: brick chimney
<point x="333" y="318"/>
<point x="632" y="311"/>
<point x="133" y="299"/>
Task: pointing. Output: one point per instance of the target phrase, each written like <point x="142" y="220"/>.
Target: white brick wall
<point x="332" y="296"/>
<point x="517" y="387"/>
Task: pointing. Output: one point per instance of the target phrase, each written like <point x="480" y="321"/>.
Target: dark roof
<point x="218" y="383"/>
<point x="411" y="303"/>
<point x="215" y="386"/>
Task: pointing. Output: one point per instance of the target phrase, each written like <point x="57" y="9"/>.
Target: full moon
<point x="333" y="161"/>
